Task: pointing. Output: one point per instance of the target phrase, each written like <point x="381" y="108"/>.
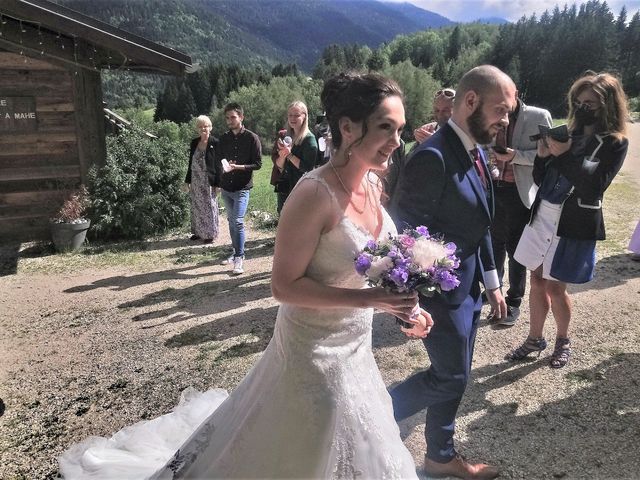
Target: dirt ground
<point x="95" y="341"/>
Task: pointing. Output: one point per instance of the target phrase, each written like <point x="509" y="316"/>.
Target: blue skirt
<point x="563" y="259"/>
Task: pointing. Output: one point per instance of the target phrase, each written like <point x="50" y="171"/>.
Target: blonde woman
<point x="203" y="180"/>
<point x="295" y="159"/>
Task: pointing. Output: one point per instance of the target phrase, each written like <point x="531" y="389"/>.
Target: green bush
<point x="634" y="105"/>
<point x="137" y="192"/>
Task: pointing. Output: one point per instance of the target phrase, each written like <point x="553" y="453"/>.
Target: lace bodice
<point x="333" y="264"/>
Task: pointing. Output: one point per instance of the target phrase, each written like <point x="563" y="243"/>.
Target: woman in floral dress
<point x="203" y="179"/>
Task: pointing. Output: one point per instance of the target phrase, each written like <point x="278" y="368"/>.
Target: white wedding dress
<point x="313" y="406"/>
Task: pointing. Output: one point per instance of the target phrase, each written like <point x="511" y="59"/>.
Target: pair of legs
<point x="236" y="204"/>
<point x="441" y="387"/>
<point x="548" y="295"/>
<point x="509" y="221"/>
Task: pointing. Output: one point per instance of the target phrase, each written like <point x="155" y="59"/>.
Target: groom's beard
<point x="476" y="122"/>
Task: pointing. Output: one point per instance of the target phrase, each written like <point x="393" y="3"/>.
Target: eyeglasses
<point x="447" y="92"/>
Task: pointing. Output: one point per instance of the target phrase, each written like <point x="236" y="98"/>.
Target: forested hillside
<point x="260" y="32"/>
<point x="248" y="33"/>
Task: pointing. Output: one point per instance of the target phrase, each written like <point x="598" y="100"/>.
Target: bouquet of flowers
<point x="412" y="260"/>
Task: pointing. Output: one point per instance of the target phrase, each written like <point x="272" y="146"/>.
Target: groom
<point x="446" y="186"/>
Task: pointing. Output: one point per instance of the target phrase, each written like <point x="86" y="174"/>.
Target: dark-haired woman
<point x="558" y="245"/>
<point x="314" y="405"/>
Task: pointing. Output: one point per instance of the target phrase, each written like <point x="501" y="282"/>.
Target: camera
<point x="559" y="133"/>
<point x="284" y="138"/>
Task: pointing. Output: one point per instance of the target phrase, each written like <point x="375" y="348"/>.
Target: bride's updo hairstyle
<point x="355" y="96"/>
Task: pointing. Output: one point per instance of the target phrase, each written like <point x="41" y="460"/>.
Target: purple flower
<point x="455" y="261"/>
<point x="422" y="230"/>
<point x="372" y="245"/>
<point x="394" y="253"/>
<point x="450" y="248"/>
<point x="447" y="280"/>
<point x="363" y="263"/>
<point x="399" y="275"/>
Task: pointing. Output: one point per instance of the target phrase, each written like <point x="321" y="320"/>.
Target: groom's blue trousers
<point x="440" y="387"/>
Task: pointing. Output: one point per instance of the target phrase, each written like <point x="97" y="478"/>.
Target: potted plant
<point x="69" y="226"/>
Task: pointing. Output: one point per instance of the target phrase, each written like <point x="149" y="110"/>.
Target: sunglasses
<point x="588" y="105"/>
<point x="447" y="92"/>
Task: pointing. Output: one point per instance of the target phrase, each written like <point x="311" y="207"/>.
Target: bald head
<point x="484" y="98"/>
<point x="484" y="80"/>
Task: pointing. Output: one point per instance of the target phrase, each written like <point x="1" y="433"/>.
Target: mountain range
<point x="261" y="32"/>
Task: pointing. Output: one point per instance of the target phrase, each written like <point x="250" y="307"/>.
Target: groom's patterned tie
<point x="477" y="162"/>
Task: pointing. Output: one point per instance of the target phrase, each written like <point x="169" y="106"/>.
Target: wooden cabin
<point x="52" y="122"/>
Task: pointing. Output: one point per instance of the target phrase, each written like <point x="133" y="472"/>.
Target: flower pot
<point x="68" y="237"/>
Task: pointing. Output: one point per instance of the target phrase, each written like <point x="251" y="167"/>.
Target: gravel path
<point x="88" y="351"/>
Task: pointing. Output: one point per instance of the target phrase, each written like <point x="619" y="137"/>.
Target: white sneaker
<point x="237" y="266"/>
<point x="227" y="261"/>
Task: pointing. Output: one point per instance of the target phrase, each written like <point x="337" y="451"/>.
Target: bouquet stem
<point x="414" y="314"/>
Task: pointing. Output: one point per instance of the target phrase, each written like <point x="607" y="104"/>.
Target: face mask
<point x="585" y="116"/>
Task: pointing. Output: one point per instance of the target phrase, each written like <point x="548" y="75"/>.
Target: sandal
<point x="529" y="346"/>
<point x="561" y="353"/>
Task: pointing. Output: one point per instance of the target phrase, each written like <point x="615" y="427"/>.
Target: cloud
<point x="469" y="10"/>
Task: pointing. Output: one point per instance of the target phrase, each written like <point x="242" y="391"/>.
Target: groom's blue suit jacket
<point x="439" y="188"/>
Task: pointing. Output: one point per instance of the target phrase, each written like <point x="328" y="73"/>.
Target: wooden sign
<point x="18" y="114"/>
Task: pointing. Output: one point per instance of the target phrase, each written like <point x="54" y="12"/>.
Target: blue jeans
<point x="236" y="204"/>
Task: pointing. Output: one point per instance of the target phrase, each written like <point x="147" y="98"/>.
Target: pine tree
<point x="185" y="107"/>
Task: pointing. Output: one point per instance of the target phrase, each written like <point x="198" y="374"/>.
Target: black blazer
<point x="438" y="187"/>
<point x="590" y="173"/>
<point x="209" y="159"/>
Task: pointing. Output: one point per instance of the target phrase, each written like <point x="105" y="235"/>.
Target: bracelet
<point x="290" y="156"/>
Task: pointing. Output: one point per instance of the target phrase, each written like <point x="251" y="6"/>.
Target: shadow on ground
<point x="219" y="295"/>
<point x="600" y="412"/>
<point x="257" y="321"/>
<point x="12" y="252"/>
<point x="255" y="249"/>
<point x="610" y="272"/>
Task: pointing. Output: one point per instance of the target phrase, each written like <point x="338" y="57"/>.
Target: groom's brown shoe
<point x="458" y="467"/>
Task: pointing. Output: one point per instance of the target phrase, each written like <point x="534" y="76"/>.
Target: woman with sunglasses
<point x="558" y="244"/>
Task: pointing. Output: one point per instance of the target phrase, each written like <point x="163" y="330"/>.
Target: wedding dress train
<point x="313" y="406"/>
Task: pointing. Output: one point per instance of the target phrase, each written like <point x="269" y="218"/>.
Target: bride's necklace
<point x="349" y="192"/>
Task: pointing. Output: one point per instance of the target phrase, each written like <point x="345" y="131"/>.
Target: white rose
<point x="379" y="265"/>
<point x="426" y="252"/>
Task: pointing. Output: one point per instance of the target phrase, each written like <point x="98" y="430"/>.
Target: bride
<point x="315" y="404"/>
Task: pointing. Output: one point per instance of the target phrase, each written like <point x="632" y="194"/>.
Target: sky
<point x="469" y="10"/>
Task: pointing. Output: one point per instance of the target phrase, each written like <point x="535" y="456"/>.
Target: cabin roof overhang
<point x="47" y="30"/>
